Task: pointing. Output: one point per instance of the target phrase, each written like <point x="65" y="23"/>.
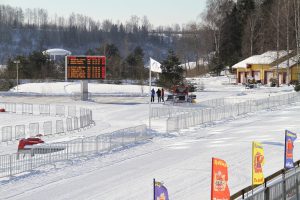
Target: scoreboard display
<point x="86" y="67"/>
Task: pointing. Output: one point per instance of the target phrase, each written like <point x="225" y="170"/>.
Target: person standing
<point x="152" y="94"/>
<point x="163" y="94"/>
<point x="158" y="93"/>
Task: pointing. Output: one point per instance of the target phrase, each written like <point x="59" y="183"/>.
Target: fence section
<point x="195" y="117"/>
<point x="51" y="153"/>
<point x="70" y="124"/>
<point x="282" y="185"/>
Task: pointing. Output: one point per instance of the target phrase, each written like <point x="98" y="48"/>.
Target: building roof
<point x="283" y="65"/>
<point x="266" y="58"/>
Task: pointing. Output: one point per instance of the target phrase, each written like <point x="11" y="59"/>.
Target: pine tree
<point x="172" y="72"/>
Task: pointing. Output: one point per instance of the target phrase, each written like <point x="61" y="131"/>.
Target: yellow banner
<point x="258" y="160"/>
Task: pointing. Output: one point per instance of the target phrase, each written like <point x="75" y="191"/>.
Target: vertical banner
<point x="258" y="160"/>
<point x="160" y="191"/>
<point x="219" y="180"/>
<point x="290" y="137"/>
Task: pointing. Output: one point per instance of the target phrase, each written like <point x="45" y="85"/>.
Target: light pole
<point x="17" y="62"/>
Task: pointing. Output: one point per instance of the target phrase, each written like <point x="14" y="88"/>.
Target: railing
<point x="74" y="121"/>
<point x="45" y="154"/>
<point x="38" y="109"/>
<point x="171" y="111"/>
<point x="209" y="115"/>
<point x="282" y="185"/>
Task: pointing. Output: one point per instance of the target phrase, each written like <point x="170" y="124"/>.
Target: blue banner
<point x="290" y="137"/>
<point x="160" y="192"/>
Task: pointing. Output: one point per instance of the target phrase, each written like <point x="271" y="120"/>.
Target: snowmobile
<point x="181" y="95"/>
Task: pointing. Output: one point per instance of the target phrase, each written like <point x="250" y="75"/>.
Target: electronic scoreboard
<point x="86" y="67"/>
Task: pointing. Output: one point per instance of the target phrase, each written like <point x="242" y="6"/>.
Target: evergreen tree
<point x="172" y="72"/>
<point x="135" y="64"/>
<point x="230" y="47"/>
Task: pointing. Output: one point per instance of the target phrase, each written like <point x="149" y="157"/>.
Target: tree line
<point x="244" y="28"/>
<point x="226" y="32"/>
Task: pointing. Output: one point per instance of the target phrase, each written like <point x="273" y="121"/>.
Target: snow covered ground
<point x="181" y="160"/>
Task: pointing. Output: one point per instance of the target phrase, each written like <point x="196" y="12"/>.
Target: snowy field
<point x="181" y="160"/>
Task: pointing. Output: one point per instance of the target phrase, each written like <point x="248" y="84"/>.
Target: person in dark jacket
<point x="152" y="94"/>
<point x="163" y="94"/>
<point x="158" y="93"/>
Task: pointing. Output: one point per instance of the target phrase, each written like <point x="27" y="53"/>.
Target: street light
<point x="17" y="62"/>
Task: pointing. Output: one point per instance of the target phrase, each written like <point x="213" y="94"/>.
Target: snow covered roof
<point x="57" y="52"/>
<point x="266" y="58"/>
<point x="189" y="65"/>
<point x="292" y="61"/>
<point x="244" y="63"/>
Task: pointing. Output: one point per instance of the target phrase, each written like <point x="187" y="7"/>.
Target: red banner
<point x="219" y="180"/>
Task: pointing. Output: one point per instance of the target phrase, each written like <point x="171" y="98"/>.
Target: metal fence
<point x="169" y="110"/>
<point x="195" y="117"/>
<point x="47" y="128"/>
<point x="45" y="154"/>
<point x="39" y="109"/>
<point x="282" y="185"/>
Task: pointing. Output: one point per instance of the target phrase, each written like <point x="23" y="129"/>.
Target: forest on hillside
<point x="226" y="32"/>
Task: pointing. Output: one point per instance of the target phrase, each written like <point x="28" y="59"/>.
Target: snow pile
<point x="75" y="87"/>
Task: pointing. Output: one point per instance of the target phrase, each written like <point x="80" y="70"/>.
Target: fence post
<point x="31" y="158"/>
<point x="10" y="165"/>
<point x="123" y="135"/>
<point x="96" y="140"/>
<point x="110" y="142"/>
<point x="67" y="151"/>
<point x="82" y="147"/>
<point x="267" y="193"/>
<point x="283" y="187"/>
<point x="297" y="186"/>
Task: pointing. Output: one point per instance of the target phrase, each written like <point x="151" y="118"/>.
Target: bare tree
<point x="214" y="19"/>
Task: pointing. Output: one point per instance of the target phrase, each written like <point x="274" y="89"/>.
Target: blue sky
<point x="159" y="12"/>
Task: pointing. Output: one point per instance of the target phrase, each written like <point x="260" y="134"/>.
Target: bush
<point x="297" y="88"/>
<point x="273" y="82"/>
<point x="294" y="82"/>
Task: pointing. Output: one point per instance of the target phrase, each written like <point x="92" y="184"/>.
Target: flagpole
<point x="154" y="189"/>
<point x="252" y="166"/>
<point x="212" y="178"/>
<point x="150" y="96"/>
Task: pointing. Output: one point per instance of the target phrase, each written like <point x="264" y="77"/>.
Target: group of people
<point x="160" y="95"/>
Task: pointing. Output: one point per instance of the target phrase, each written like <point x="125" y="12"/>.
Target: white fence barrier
<point x="70" y="124"/>
<point x="51" y="153"/>
<point x="208" y="115"/>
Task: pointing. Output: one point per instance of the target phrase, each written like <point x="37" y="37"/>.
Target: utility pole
<point x="17" y="62"/>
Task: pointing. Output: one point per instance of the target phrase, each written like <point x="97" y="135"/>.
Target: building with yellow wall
<point x="259" y="67"/>
<point x="289" y="69"/>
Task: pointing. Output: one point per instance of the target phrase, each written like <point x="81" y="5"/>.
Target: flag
<point x="290" y="137"/>
<point x="155" y="66"/>
<point x="258" y="160"/>
<point x="219" y="180"/>
<point x="160" y="191"/>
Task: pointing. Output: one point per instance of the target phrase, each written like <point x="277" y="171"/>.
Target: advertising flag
<point x="219" y="180"/>
<point x="155" y="66"/>
<point x="258" y="160"/>
<point x="290" y="137"/>
<point x="160" y="191"/>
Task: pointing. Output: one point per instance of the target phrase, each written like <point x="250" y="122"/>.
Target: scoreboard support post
<point x="84" y="90"/>
<point x="66" y="68"/>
